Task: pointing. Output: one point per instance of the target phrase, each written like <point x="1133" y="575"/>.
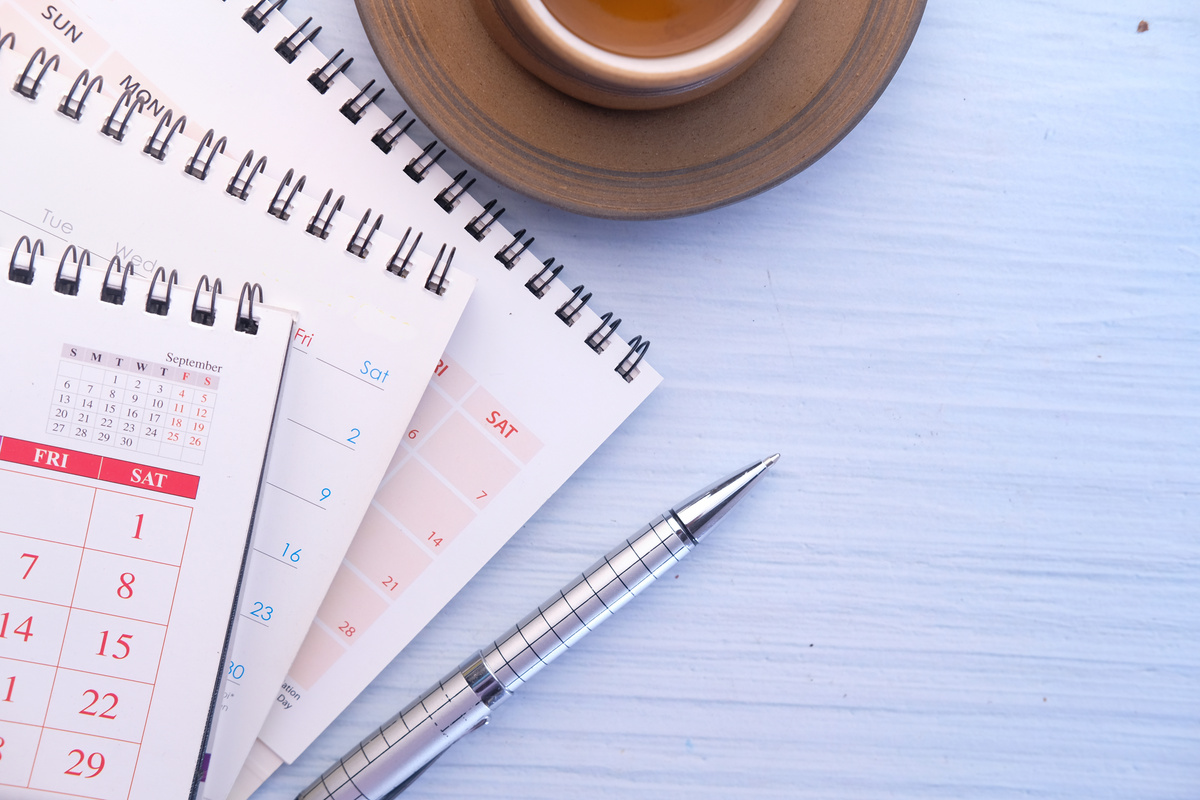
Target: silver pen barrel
<point x="590" y="599"/>
<point x="386" y="762"/>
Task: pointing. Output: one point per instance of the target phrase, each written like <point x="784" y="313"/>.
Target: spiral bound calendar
<point x="375" y="312"/>
<point x="133" y="431"/>
<point x="531" y="383"/>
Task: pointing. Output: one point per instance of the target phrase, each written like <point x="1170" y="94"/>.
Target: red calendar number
<point x="125" y="590"/>
<point x="31" y="563"/>
<point x="122" y="642"/>
<point x="24" y="630"/>
<point x="12" y="682"/>
<point x="436" y="542"/>
<point x="346" y="628"/>
<point x="95" y="762"/>
<point x="391" y="583"/>
<point x="441" y="368"/>
<point x="106" y="713"/>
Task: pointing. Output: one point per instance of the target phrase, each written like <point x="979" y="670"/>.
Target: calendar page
<point x="131" y="448"/>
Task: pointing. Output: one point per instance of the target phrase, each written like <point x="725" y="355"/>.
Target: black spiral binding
<point x="239" y="187"/>
<point x="23" y="273"/>
<point x="111" y="126"/>
<point x="258" y="19"/>
<point x="108" y="292"/>
<point x="282" y="210"/>
<point x="289" y="48"/>
<point x="64" y="284"/>
<point x="628" y="368"/>
<point x="201" y="172"/>
<point x="417" y="168"/>
<point x="156" y="148"/>
<point x="448" y="198"/>
<point x="436" y="282"/>
<point x="396" y="264"/>
<point x="568" y="312"/>
<point x="322" y="78"/>
<point x="320" y="227"/>
<point x="354" y="108"/>
<point x="359" y="244"/>
<point x="25" y="86"/>
<point x="540" y="282"/>
<point x="159" y="306"/>
<point x="246" y="323"/>
<point x="385" y="138"/>
<point x="595" y="340"/>
<point x="478" y="227"/>
<point x="71" y="107"/>
<point x="511" y="253"/>
<point x="206" y="316"/>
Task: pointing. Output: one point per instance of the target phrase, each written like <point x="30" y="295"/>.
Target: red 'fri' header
<point x="110" y="470"/>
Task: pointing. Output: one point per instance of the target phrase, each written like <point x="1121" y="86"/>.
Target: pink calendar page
<point x="131" y="447"/>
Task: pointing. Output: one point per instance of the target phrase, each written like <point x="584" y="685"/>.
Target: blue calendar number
<point x="290" y="554"/>
<point x="325" y="494"/>
<point x="354" y="434"/>
<point x="261" y="611"/>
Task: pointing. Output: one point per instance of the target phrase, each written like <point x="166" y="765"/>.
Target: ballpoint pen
<point x="386" y="762"/>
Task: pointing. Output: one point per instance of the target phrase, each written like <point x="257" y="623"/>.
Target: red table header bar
<point x="87" y="465"/>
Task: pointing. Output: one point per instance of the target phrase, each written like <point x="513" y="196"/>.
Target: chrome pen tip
<point x="702" y="511"/>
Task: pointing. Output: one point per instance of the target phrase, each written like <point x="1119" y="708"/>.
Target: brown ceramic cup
<point x="635" y="54"/>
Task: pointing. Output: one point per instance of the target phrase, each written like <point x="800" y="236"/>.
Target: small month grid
<point x="462" y="449"/>
<point x="133" y="404"/>
<point x="79" y="658"/>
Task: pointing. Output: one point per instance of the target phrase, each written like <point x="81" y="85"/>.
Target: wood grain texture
<point x="828" y="66"/>
<point x="973" y="330"/>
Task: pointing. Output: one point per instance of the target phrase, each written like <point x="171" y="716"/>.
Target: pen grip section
<point x="587" y="601"/>
<point x="405" y="744"/>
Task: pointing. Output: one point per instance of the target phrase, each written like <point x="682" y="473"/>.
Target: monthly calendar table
<point x="134" y="404"/>
<point x="80" y="657"/>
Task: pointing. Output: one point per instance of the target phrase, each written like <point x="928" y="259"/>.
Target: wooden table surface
<point x="973" y="332"/>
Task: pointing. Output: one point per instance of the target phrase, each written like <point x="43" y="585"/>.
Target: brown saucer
<point x="831" y="62"/>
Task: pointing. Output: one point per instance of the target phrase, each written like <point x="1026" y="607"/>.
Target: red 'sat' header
<point x="87" y="465"/>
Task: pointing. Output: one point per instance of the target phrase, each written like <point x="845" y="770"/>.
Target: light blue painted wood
<point x="973" y="331"/>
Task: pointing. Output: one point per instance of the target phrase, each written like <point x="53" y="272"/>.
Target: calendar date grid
<point x="133" y="405"/>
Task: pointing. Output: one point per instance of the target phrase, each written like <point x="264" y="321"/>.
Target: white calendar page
<point x="517" y="404"/>
<point x="366" y="342"/>
<point x="131" y="448"/>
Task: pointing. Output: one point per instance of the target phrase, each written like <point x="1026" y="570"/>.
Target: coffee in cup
<point x="635" y="54"/>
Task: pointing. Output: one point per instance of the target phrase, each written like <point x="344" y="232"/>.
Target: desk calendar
<point x="374" y="315"/>
<point x="125" y="506"/>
